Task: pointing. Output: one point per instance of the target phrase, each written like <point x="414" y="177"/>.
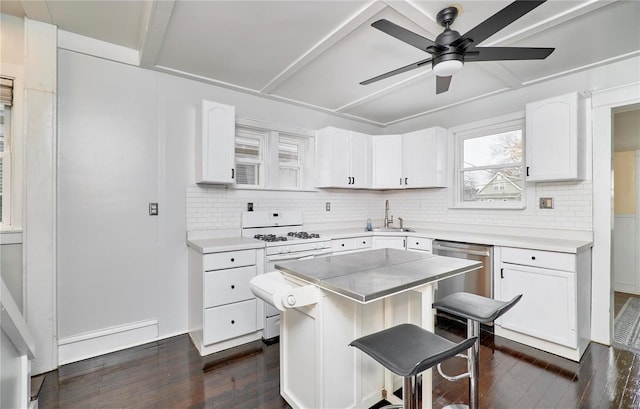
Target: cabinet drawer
<point x="227" y="286"/>
<point x="342" y="245"/>
<point x="418" y="243"/>
<point x="537" y="258"/>
<point x="229" y="259"/>
<point x="362" y="242"/>
<point x="229" y="321"/>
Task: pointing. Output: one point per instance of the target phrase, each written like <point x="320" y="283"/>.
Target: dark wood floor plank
<point x="171" y="374"/>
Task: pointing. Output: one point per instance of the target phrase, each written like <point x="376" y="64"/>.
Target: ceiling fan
<point x="450" y="49"/>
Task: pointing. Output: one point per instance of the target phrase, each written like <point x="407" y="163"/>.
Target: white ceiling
<point x="314" y="53"/>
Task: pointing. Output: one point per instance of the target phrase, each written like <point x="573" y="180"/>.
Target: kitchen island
<point x="356" y="294"/>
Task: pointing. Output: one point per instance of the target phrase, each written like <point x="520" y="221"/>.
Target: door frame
<point x="603" y="104"/>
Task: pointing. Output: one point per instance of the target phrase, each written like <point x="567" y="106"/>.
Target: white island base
<point x="318" y="368"/>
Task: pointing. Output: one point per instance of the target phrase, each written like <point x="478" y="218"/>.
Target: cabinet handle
<point x="354" y="180"/>
<point x="417" y="243"/>
<point x="406" y="181"/>
<point x="527" y="170"/>
<point x="502" y="273"/>
<point x="233" y="286"/>
<point x="233" y="259"/>
<point x="233" y="321"/>
<point x="400" y="181"/>
<point x="533" y="257"/>
<point x="233" y="173"/>
<point x="342" y="244"/>
<point x="364" y="242"/>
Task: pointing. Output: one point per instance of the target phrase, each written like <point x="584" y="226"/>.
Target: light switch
<point x="546" y="203"/>
<point x="153" y="209"/>
<point x="327" y="206"/>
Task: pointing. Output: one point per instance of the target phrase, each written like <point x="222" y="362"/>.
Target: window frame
<point x="273" y="132"/>
<point x="5" y="206"/>
<point x="260" y="162"/>
<point x="476" y="130"/>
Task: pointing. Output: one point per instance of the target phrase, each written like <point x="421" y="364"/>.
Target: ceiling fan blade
<point x="507" y="53"/>
<point x="407" y="36"/>
<point x="497" y="22"/>
<point x="442" y="84"/>
<point x="396" y="71"/>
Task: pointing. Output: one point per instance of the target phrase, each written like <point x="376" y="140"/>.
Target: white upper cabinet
<point x="424" y="154"/>
<point x="343" y="159"/>
<point x="556" y="139"/>
<point x="215" y="158"/>
<point x="387" y="162"/>
<point x="412" y="160"/>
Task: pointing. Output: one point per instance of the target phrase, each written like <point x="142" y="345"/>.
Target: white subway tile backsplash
<point x="216" y="207"/>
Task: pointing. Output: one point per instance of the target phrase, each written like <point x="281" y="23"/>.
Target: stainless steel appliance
<point x="478" y="282"/>
<point x="284" y="240"/>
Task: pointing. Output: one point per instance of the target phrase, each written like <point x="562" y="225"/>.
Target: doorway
<point x="625" y="271"/>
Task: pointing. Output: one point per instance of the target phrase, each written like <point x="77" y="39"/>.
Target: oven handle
<point x="289" y="256"/>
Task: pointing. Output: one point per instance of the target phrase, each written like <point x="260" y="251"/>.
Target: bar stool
<point x="476" y="309"/>
<point x="407" y="350"/>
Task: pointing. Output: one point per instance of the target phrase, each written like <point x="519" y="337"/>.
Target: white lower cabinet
<point x="390" y="242"/>
<point x="554" y="312"/>
<point x="415" y="243"/>
<point x="350" y="244"/>
<point x="223" y="312"/>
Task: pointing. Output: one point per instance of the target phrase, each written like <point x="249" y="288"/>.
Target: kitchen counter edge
<point x="218" y="245"/>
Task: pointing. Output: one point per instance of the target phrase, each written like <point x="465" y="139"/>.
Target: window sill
<point x="236" y="187"/>
<point x="11" y="237"/>
<point x="519" y="206"/>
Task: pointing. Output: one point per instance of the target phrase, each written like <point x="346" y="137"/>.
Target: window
<point x="272" y="156"/>
<point x="249" y="157"/>
<point x="489" y="170"/>
<point x="6" y="94"/>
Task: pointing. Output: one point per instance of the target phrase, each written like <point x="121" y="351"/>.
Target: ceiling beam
<point x="155" y="22"/>
<point x="37" y="10"/>
<point x="323" y="45"/>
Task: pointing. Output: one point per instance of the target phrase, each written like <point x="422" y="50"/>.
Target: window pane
<point x="502" y="148"/>
<point x="247" y="173"/>
<point x="495" y="185"/>
<point x="248" y="148"/>
<point x="288" y="177"/>
<point x="288" y="153"/>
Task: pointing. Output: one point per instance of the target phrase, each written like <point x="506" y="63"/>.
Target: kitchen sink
<point x="392" y="229"/>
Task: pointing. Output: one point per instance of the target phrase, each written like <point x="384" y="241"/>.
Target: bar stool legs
<point x="476" y="309"/>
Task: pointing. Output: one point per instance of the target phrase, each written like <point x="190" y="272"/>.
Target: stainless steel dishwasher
<point x="478" y="282"/>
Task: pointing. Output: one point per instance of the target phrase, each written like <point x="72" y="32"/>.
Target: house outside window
<point x="490" y="166"/>
<point x="6" y="100"/>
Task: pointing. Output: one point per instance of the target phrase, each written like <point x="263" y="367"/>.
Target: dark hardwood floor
<point x="171" y="374"/>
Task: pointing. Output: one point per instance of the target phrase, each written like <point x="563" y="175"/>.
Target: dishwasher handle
<point x="461" y="250"/>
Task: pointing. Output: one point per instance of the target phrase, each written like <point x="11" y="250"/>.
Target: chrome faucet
<point x="387" y="220"/>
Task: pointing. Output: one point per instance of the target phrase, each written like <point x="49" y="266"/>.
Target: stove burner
<point x="269" y="237"/>
<point x="303" y="235"/>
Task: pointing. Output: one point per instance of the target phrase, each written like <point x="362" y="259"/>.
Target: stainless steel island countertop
<point x="374" y="274"/>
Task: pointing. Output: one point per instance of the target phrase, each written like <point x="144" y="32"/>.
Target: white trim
<point x="90" y="46"/>
<point x="603" y="103"/>
<point x="10" y="237"/>
<point x="91" y="344"/>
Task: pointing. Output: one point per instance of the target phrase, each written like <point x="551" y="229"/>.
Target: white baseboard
<point x="91" y="344"/>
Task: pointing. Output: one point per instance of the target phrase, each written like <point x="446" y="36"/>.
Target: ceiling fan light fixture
<point x="447" y="68"/>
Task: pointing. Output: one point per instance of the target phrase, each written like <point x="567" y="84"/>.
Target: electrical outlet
<point x="546" y="203"/>
<point x="327" y="206"/>
<point x="250" y="206"/>
<point x="153" y="209"/>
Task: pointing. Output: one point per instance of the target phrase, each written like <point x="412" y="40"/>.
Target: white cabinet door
<point x="387" y="162"/>
<point x="389" y="242"/>
<point x="360" y="159"/>
<point x="555" y="139"/>
<point x="424" y="154"/>
<point x="215" y="158"/>
<point x="343" y="158"/>
<point x="547" y="309"/>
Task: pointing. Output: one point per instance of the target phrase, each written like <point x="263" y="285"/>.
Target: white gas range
<point x="285" y="240"/>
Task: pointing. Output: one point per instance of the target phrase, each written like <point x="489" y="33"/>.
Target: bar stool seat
<point x="475" y="307"/>
<point x="407" y="350"/>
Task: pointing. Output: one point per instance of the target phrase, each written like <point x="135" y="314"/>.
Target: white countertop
<point x="521" y="238"/>
<point x="217" y="245"/>
<point x="563" y="245"/>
